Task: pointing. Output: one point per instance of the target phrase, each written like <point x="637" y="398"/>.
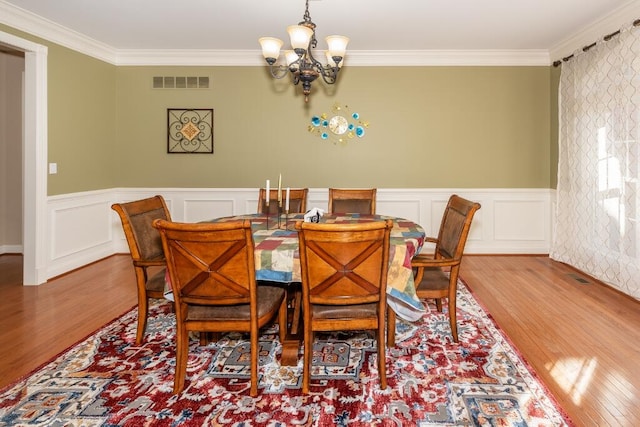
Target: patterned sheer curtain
<point x="597" y="219"/>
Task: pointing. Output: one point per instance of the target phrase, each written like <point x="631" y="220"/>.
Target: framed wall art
<point x="190" y="130"/>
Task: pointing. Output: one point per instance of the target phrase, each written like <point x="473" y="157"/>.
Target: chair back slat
<point x="362" y="201"/>
<point x="210" y="263"/>
<point x="137" y="218"/>
<point x="344" y="263"/>
<point x="454" y="229"/>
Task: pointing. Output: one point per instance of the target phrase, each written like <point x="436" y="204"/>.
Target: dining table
<point x="277" y="256"/>
<point x="277" y="259"/>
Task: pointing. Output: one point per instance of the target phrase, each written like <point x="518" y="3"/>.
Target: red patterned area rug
<point x="106" y="380"/>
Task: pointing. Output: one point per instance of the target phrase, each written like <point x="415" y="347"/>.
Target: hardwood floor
<point x="582" y="338"/>
<point x="38" y="322"/>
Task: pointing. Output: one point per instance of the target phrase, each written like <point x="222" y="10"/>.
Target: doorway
<point x="34" y="157"/>
<point x="11" y="108"/>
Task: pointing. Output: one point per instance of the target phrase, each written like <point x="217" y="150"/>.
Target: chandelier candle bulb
<point x="270" y="48"/>
<point x="280" y="190"/>
<point x="337" y="45"/>
<point x="300" y="37"/>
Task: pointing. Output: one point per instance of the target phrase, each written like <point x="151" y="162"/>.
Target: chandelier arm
<point x="329" y="74"/>
<point x="311" y="59"/>
<point x="278" y="71"/>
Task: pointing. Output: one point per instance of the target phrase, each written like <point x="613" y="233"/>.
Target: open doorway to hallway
<point x="12" y="66"/>
<point x="10" y="270"/>
<point x="34" y="157"/>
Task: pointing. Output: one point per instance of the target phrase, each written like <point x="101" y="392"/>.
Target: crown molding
<point x="28" y="22"/>
<point x="416" y="58"/>
<point x="391" y="58"/>
<point x="617" y="19"/>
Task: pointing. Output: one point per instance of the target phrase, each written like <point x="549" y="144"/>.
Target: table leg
<point x="291" y="344"/>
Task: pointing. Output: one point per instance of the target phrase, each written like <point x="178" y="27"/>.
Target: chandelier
<point x="300" y="61"/>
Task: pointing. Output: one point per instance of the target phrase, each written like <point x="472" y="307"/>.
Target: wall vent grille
<point x="172" y="82"/>
<point x="579" y="278"/>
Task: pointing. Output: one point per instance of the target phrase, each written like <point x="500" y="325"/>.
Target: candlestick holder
<point x="286" y="219"/>
<point x="278" y="222"/>
<point x="266" y="210"/>
<point x="280" y="215"/>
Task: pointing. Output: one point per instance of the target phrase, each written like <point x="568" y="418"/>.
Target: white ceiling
<point x="550" y="27"/>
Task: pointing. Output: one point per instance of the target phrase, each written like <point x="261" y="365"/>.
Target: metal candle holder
<point x="280" y="211"/>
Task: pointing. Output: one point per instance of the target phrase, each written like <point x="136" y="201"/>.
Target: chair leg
<point x="382" y="359"/>
<point x="143" y="309"/>
<point x="209" y="337"/>
<point x="255" y="350"/>
<point x="182" y="354"/>
<point x="452" y="319"/>
<point x="307" y="357"/>
<point x="391" y="327"/>
<point x="439" y="304"/>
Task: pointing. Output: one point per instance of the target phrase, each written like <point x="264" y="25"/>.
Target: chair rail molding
<point x="83" y="228"/>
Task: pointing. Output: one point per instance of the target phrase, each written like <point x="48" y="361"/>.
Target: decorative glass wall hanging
<point x="190" y="130"/>
<point x="339" y="125"/>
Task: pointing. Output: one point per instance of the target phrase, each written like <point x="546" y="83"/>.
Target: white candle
<point x="286" y="206"/>
<point x="268" y="193"/>
<point x="280" y="190"/>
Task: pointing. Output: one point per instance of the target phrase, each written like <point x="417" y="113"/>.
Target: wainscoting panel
<point x="202" y="210"/>
<point x="83" y="228"/>
<point x="529" y="228"/>
<point x="80" y="230"/>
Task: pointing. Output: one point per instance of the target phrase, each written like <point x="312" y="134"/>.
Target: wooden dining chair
<point x="436" y="275"/>
<point x="212" y="272"/>
<point x="297" y="200"/>
<point x="342" y="200"/>
<point x="146" y="251"/>
<point x="344" y="283"/>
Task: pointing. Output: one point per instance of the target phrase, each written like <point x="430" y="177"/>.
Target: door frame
<point x="34" y="159"/>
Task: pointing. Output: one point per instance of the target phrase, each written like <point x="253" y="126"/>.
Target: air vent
<point x="578" y="278"/>
<point x="171" y="82"/>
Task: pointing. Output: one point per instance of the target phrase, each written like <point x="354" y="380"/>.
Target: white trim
<point x="34" y="158"/>
<point x="23" y="20"/>
<point x="31" y="23"/>
<point x="393" y="58"/>
<point x="11" y="249"/>
<point x="623" y="15"/>
<point x="83" y="228"/>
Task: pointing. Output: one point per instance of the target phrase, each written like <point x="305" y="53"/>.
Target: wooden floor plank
<point x="581" y="337"/>
<point x="39" y="322"/>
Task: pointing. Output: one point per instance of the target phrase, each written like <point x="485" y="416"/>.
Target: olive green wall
<point x="430" y="127"/>
<point x="438" y="127"/>
<point x="81" y="118"/>
<point x="82" y="126"/>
